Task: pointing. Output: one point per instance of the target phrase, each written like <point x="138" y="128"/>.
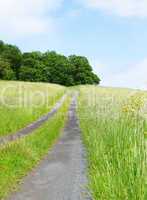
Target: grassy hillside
<point x="114" y="130"/>
<point x="19" y="157"/>
<point x="22" y="102"/>
<point x="113" y="124"/>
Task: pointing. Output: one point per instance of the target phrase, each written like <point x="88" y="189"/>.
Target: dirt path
<point x="31" y="127"/>
<point x="61" y="176"/>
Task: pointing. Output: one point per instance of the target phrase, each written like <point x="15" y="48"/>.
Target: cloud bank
<point x="134" y="76"/>
<point x="126" y="8"/>
<point x="26" y="17"/>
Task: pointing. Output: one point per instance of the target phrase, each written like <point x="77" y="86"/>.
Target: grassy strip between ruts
<point x="19" y="157"/>
<point x="115" y="140"/>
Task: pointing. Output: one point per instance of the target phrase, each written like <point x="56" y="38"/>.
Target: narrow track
<point x="61" y="175"/>
<point x="31" y="127"/>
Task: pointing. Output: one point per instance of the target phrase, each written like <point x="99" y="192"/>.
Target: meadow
<point x="113" y="123"/>
<point x="21" y="156"/>
<point x="22" y="103"/>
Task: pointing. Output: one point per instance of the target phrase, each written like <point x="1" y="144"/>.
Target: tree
<point x="57" y="68"/>
<point x="6" y="73"/>
<point x="30" y="58"/>
<point x="32" y="68"/>
<point x="1" y="46"/>
<point x="13" y="55"/>
<point x="96" y="79"/>
<point x="81" y="71"/>
<point x="28" y="74"/>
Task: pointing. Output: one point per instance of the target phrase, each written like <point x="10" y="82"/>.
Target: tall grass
<point x="113" y="132"/>
<point x="22" y="103"/>
<point x="19" y="157"/>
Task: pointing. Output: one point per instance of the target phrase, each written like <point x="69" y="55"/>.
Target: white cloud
<point x="133" y="77"/>
<point x="22" y="17"/>
<point x="136" y="8"/>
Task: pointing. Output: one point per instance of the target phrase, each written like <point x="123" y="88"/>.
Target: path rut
<point x="61" y="175"/>
<point x="31" y="127"/>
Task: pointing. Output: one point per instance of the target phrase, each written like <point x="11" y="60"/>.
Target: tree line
<point x="44" y="67"/>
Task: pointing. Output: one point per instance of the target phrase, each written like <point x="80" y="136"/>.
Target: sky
<point x="112" y="34"/>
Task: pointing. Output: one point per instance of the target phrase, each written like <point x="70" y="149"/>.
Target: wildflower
<point x="134" y="104"/>
<point x="125" y="109"/>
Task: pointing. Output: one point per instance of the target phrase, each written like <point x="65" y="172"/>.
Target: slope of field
<point x="114" y="132"/>
<point x="22" y="103"/>
<point x="19" y="157"/>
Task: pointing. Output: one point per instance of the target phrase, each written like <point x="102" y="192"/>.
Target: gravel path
<point x="61" y="175"/>
<point x="31" y="127"/>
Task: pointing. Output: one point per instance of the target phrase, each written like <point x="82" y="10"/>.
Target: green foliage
<point x="48" y="67"/>
<point x="82" y="71"/>
<point x="58" y="67"/>
<point x="13" y="55"/>
<point x="31" y="74"/>
<point x="6" y="73"/>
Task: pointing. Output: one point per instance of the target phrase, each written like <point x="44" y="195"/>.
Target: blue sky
<point x="111" y="33"/>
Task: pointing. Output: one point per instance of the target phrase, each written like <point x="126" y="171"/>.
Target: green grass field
<point x="19" y="157"/>
<point x="113" y="122"/>
<point x="22" y="103"/>
<point x="114" y="132"/>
